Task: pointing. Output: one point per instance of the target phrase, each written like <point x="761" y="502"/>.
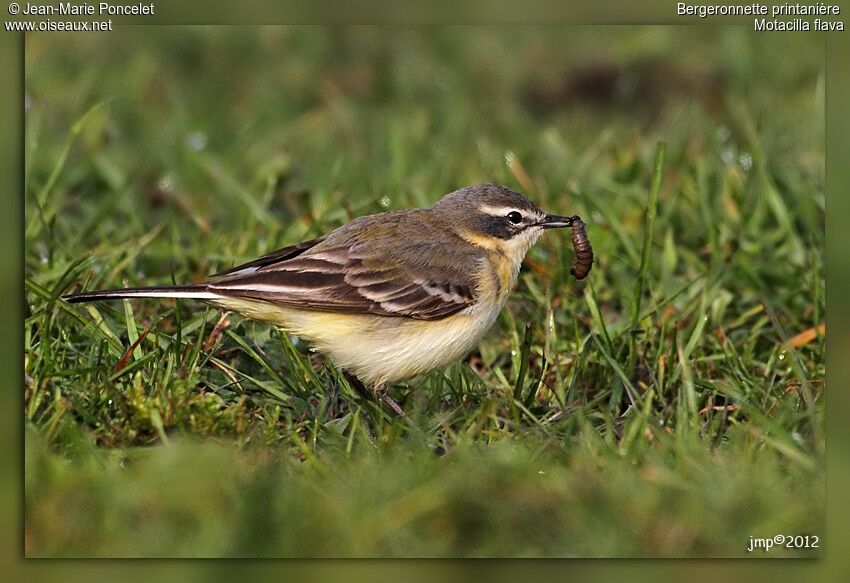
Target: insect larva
<point x="582" y="248"/>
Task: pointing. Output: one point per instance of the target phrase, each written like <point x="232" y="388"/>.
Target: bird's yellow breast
<point x="504" y="258"/>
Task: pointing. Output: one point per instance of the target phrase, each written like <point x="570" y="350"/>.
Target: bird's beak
<point x="556" y="221"/>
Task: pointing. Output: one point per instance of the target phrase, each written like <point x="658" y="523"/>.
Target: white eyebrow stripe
<point x="500" y="211"/>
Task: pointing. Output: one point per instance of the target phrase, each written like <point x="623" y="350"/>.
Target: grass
<point x="669" y="406"/>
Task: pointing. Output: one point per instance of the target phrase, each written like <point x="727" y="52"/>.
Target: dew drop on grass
<point x="728" y="155"/>
<point x="197" y="141"/>
<point x="165" y="184"/>
<point x="745" y="160"/>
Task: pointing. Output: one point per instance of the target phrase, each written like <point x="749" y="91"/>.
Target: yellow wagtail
<point x="386" y="296"/>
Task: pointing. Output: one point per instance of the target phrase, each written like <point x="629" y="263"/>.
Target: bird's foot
<point x="381" y="391"/>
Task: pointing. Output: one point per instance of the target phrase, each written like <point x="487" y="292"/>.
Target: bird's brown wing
<point x="361" y="277"/>
<point x="269" y="259"/>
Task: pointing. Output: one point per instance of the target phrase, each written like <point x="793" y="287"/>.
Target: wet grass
<point x="671" y="405"/>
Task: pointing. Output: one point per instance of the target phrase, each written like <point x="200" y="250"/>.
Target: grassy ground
<point x="669" y="406"/>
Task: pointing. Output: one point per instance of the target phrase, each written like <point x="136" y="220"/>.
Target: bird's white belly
<point x="388" y="351"/>
<point x="379" y="349"/>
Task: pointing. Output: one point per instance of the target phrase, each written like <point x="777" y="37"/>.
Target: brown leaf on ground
<point x="805" y="337"/>
<point x="217" y="330"/>
<point x="125" y="358"/>
<point x="728" y="408"/>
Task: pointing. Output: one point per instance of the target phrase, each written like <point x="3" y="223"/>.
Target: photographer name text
<point x="99" y="9"/>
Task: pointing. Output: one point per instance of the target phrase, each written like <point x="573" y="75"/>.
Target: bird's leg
<point x="380" y="390"/>
<point x="385" y="397"/>
<point x="333" y="398"/>
<point x="357" y="385"/>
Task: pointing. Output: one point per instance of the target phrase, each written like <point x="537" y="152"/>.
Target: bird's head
<point x="495" y="217"/>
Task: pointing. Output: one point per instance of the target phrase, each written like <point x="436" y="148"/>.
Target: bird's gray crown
<point x="486" y="195"/>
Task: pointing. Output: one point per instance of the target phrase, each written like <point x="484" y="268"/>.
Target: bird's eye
<point x="514" y="217"/>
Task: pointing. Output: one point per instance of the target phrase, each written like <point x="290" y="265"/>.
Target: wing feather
<point x="270" y="259"/>
<point x="341" y="280"/>
<point x="368" y="266"/>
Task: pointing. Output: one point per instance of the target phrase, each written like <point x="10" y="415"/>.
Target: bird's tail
<point x="194" y="292"/>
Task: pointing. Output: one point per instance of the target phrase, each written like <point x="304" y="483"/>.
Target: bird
<point x="387" y="296"/>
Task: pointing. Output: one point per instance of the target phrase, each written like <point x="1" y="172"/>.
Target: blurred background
<point x="226" y="120"/>
<point x="167" y="153"/>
